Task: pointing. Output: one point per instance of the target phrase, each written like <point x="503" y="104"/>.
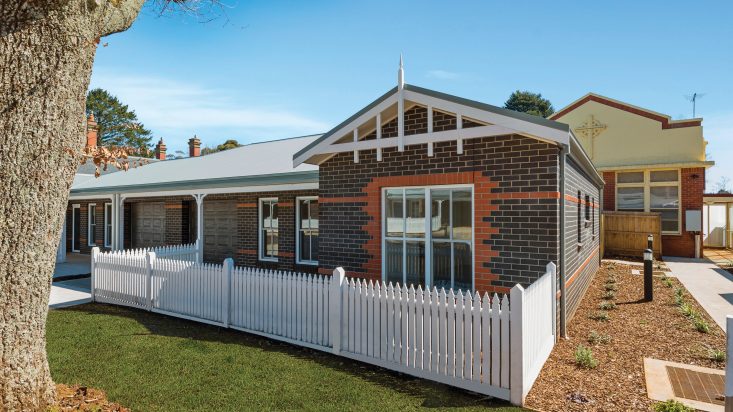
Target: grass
<point x="150" y="362"/>
<point x="600" y="315"/>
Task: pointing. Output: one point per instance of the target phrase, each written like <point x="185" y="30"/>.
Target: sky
<point x="260" y="70"/>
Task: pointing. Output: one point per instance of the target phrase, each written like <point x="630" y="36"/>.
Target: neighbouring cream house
<point x="649" y="162"/>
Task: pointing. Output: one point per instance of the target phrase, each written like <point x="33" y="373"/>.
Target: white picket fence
<point x="478" y="343"/>
<point x="189" y="252"/>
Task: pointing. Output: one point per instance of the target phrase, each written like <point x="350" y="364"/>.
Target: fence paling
<point x="460" y="339"/>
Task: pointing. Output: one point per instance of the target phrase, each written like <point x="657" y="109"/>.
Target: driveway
<point x="70" y="293"/>
<point x="709" y="284"/>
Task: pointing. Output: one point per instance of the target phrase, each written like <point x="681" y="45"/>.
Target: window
<point x="651" y="191"/>
<point x="593" y="216"/>
<point x="587" y="208"/>
<point x="92" y="224"/>
<point x="268" y="229"/>
<point x="307" y="230"/>
<point x="107" y="224"/>
<point x="428" y="236"/>
<point x="580" y="232"/>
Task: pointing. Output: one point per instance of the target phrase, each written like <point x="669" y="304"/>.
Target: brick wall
<point x="84" y="246"/>
<point x="609" y="191"/>
<point x="515" y="204"/>
<point x="581" y="252"/>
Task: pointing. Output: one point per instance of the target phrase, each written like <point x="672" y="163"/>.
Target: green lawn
<point x="150" y="362"/>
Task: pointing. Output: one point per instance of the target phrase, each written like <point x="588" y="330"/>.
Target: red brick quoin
<point x="482" y="208"/>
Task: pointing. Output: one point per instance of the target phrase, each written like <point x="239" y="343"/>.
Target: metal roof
<point x="252" y="164"/>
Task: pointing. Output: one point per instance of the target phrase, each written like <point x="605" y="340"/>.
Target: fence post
<point x="552" y="269"/>
<point x="334" y="308"/>
<point x="516" y="372"/>
<point x="149" y="259"/>
<point x="95" y="251"/>
<point x="729" y="365"/>
<point x="227" y="278"/>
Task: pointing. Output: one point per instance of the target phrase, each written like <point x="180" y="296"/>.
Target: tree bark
<point x="46" y="53"/>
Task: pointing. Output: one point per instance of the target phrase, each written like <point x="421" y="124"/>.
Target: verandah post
<point x="334" y="308"/>
<point x="149" y="259"/>
<point x="95" y="251"/>
<point x="516" y="347"/>
<point x="227" y="279"/>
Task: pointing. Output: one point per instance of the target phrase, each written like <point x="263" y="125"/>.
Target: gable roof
<point x="665" y="120"/>
<point x="252" y="164"/>
<point x="511" y="121"/>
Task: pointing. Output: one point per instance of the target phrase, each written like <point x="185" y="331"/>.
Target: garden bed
<point x="621" y="339"/>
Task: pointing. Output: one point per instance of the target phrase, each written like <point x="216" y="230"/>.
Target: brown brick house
<point x="418" y="187"/>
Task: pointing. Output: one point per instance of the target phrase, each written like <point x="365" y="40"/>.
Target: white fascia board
<point x="212" y="191"/>
<point x="347" y="128"/>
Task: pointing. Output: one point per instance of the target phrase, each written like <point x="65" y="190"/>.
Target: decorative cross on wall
<point x="588" y="131"/>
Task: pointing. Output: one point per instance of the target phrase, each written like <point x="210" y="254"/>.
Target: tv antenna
<point x="694" y="98"/>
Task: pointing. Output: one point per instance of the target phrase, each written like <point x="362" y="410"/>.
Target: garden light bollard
<point x="728" y="365"/>
<point x="648" y="291"/>
<point x="650" y="242"/>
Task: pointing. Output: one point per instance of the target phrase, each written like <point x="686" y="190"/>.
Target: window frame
<point x="261" y="250"/>
<point x="91" y="224"/>
<point x="73" y="227"/>
<point x="647" y="184"/>
<point x="108" y="228"/>
<point x="298" y="259"/>
<point x="428" y="239"/>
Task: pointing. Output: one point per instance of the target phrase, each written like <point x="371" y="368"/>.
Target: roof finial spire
<point x="401" y="75"/>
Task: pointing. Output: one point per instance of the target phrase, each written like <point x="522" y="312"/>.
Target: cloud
<point x="177" y="110"/>
<point x="443" y="75"/>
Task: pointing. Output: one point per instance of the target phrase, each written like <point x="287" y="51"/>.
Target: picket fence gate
<point x="493" y="345"/>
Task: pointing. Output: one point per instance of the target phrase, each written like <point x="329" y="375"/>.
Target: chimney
<point x="92" y="131"/>
<point x="194" y="147"/>
<point x="160" y="150"/>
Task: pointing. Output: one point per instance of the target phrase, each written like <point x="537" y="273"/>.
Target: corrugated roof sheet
<point x="256" y="159"/>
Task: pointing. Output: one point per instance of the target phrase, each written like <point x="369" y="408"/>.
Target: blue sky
<point x="265" y="70"/>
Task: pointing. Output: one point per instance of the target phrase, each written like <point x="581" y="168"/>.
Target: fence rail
<point x="494" y="345"/>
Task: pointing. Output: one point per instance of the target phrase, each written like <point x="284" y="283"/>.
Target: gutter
<point x="563" y="309"/>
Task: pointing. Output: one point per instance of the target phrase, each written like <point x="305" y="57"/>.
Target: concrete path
<point x="70" y="293"/>
<point x="76" y="264"/>
<point x="709" y="284"/>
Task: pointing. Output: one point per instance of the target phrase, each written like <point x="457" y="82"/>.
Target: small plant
<point x="584" y="357"/>
<point x="605" y="305"/>
<point x="679" y="296"/>
<point x="611" y="287"/>
<point x="687" y="310"/>
<point x="667" y="282"/>
<point x="595" y="338"/>
<point x="610" y="280"/>
<point x="702" y="325"/>
<point x="600" y="315"/>
<point x="671" y="406"/>
<point x="716" y="355"/>
<point x="609" y="295"/>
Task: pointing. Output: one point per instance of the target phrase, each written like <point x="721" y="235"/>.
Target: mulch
<point x="81" y="398"/>
<point x="637" y="330"/>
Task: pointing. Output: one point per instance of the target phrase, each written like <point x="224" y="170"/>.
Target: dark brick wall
<point x="84" y="224"/>
<point x="692" y="188"/>
<point x="581" y="254"/>
<point x="515" y="204"/>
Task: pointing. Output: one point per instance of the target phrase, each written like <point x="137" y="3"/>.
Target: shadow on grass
<point x="434" y="395"/>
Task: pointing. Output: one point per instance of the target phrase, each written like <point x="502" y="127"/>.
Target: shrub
<point x="610" y="280"/>
<point x="701" y="325"/>
<point x="671" y="406"/>
<point x="595" y="338"/>
<point x="584" y="357"/>
<point x="716" y="355"/>
<point x="611" y="286"/>
<point x="607" y="305"/>
<point x="609" y="295"/>
<point x="600" y="315"/>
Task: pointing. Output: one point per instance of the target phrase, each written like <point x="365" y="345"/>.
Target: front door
<point x="76" y="228"/>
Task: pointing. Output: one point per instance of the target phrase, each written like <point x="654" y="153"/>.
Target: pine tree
<point x="528" y="102"/>
<point x="118" y="125"/>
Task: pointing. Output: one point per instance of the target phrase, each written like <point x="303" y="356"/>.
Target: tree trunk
<point x="46" y="54"/>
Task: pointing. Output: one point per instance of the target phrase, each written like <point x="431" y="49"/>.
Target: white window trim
<point x="647" y="184"/>
<point x="73" y="227"/>
<point x="298" y="260"/>
<point x="91" y="224"/>
<point x="260" y="248"/>
<point x="428" y="239"/>
<point x="108" y="229"/>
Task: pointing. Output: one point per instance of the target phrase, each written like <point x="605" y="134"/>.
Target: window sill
<point x="587" y="223"/>
<point x="579" y="245"/>
<point x="275" y="260"/>
<point x="307" y="263"/>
